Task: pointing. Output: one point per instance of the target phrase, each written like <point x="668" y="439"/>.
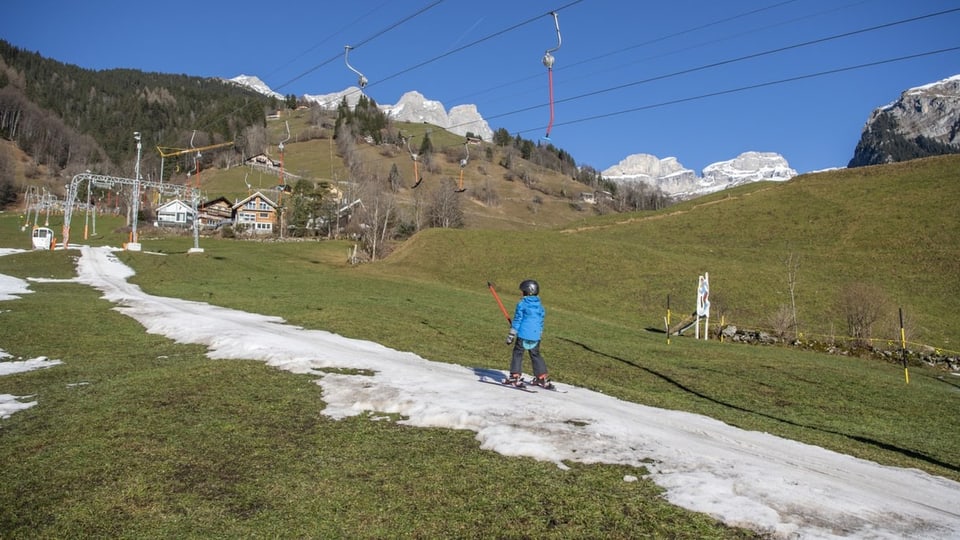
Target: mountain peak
<point x="672" y="178"/>
<point x="254" y="83"/>
<point x="412" y="107"/>
<point x="922" y="122"/>
<point x="461" y="119"/>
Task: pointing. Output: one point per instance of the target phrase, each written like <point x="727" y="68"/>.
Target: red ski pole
<point x="499" y="303"/>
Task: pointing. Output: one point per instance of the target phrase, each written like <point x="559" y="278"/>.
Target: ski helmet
<point x="530" y="287"/>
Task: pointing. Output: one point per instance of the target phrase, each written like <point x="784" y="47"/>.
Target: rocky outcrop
<point x="462" y="119"/>
<point x="675" y="180"/>
<point x="254" y="83"/>
<point x="745" y="168"/>
<point x="332" y="101"/>
<point x="414" y="107"/>
<point x="924" y="121"/>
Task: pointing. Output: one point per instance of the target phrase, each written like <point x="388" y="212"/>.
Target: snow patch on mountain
<point x="462" y="119"/>
<point x="332" y="101"/>
<point x="673" y="179"/>
<point x="412" y="107"/>
<point x="254" y="83"/>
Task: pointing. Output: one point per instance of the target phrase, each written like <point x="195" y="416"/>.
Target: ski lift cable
<point x="293" y="59"/>
<point x="753" y="87"/>
<point x="417" y="66"/>
<point x="360" y="43"/>
<point x="363" y="81"/>
<point x="733" y="60"/>
<point x="620" y="67"/>
<point x="476" y="42"/>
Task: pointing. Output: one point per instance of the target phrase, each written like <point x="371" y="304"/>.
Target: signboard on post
<point x="703" y="304"/>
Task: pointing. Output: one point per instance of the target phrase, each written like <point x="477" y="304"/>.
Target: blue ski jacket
<point x="528" y="318"/>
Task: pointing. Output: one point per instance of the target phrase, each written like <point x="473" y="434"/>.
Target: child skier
<point x="527" y="325"/>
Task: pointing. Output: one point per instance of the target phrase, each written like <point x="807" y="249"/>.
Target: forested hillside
<point x="66" y="117"/>
<point x="60" y="120"/>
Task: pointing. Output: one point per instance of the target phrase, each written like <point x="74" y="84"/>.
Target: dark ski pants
<point x="516" y="363"/>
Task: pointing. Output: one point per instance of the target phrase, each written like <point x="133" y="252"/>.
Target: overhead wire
<point x="743" y="58"/>
<point x="755" y="86"/>
<point x="474" y="43"/>
<point x="635" y="83"/>
<point x="645" y="43"/>
<point x="337" y="56"/>
<point x="366" y="40"/>
<point x="321" y="42"/>
<point x="742" y="89"/>
<point x="700" y="45"/>
<point x="739" y="59"/>
<point x="734" y="60"/>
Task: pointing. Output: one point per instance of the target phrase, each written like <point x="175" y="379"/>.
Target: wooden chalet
<point x="216" y="212"/>
<point x="257" y="213"/>
<point x="175" y="213"/>
<point x="263" y="160"/>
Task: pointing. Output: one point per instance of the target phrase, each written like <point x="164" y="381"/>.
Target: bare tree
<point x="378" y="215"/>
<point x="254" y="140"/>
<point x="394" y="178"/>
<point x="861" y="305"/>
<point x="445" y="209"/>
<point x="780" y="321"/>
<point x="486" y="193"/>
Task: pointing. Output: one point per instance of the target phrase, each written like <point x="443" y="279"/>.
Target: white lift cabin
<point x="42" y="238"/>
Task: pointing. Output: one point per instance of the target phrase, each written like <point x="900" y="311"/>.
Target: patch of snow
<point x="744" y="478"/>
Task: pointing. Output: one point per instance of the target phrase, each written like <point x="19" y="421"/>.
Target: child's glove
<point x="511" y="336"/>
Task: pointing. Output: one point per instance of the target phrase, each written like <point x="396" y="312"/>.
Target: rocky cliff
<point x="414" y="107"/>
<point x="673" y="179"/>
<point x="924" y="121"/>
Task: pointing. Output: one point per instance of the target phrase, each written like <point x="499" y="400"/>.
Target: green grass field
<point x="136" y="436"/>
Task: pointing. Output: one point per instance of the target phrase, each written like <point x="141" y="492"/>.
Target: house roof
<point x="262" y="158"/>
<point x="169" y="205"/>
<point x="215" y="201"/>
<point x="249" y="198"/>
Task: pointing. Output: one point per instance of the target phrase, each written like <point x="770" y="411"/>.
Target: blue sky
<point x="669" y="79"/>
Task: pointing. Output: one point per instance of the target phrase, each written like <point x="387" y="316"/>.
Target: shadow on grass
<point x="944" y="381"/>
<point x="488" y="374"/>
<point x="865" y="440"/>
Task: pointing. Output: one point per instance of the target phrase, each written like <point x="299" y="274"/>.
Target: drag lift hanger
<point x="283" y="184"/>
<point x="416" y="158"/>
<point x="463" y="165"/>
<point x="361" y="80"/>
<point x="548" y="62"/>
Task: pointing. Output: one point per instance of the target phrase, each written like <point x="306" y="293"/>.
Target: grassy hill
<point x="495" y="197"/>
<point x="892" y="227"/>
<point x="604" y="280"/>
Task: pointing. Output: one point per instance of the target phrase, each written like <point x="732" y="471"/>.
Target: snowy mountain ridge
<point x="923" y="121"/>
<point x="668" y="174"/>
<point x="671" y="177"/>
<point x="414" y="107"/>
<point x="254" y="83"/>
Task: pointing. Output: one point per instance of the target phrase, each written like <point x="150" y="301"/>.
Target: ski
<point x="521" y="388"/>
<point x="554" y="389"/>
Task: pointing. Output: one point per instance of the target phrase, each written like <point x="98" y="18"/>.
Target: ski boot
<point x="542" y="381"/>
<point x="513" y="379"/>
